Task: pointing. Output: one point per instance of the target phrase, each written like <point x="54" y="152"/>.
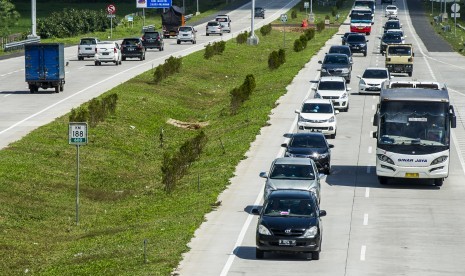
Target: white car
<point x="107" y="51"/>
<point x="214" y="27"/>
<point x="398" y="31"/>
<point x="317" y="115"/>
<point x="187" y="34"/>
<point x="391" y="10"/>
<point x="334" y="89"/>
<point x="372" y="79"/>
<point x="225" y="22"/>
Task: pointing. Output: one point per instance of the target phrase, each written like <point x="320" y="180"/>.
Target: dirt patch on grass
<point x="187" y="125"/>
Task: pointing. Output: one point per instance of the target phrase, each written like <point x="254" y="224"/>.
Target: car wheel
<point x="62" y="87"/>
<point x="124" y="58"/>
<point x="438" y="182"/>
<point x="33" y="89"/>
<point x="179" y="42"/>
<point x="96" y="63"/>
<point x="57" y="89"/>
<point x="316" y="255"/>
<point x="365" y="54"/>
<point x="120" y="62"/>
<point x="348" y="79"/>
<point x="327" y="171"/>
<point x="208" y="34"/>
<point x="409" y="74"/>
<point x="194" y="42"/>
<point x="332" y="136"/>
<point x="221" y="34"/>
<point x="347" y="108"/>
<point x="259" y="254"/>
<point x="382" y="180"/>
<point x="116" y="63"/>
<point x="368" y="33"/>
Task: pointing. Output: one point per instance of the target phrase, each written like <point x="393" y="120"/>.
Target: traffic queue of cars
<point x="289" y="220"/>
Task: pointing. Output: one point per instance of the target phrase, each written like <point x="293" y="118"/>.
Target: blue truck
<point x="45" y="66"/>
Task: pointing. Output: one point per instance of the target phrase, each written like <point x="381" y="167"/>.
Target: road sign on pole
<point x="77" y="136"/>
<point x="111" y="9"/>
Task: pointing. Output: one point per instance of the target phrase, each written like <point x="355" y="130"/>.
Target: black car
<point x="310" y="145"/>
<point x="336" y="65"/>
<point x="259" y="12"/>
<point x="389" y="38"/>
<point x="153" y="39"/>
<point x="357" y="43"/>
<point x="132" y="48"/>
<point x="289" y="222"/>
<point x="392" y="24"/>
<point x="344" y="37"/>
<point x="387" y="1"/>
<point x="341" y="49"/>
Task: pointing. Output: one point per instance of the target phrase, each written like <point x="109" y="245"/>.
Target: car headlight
<point x="331" y="120"/>
<point x="263" y="230"/>
<point x="323" y="155"/>
<point x="439" y="160"/>
<point x="384" y="158"/>
<point x="311" y="232"/>
<point x="288" y="154"/>
<point x="302" y="119"/>
<point x="344" y="95"/>
<point x="383" y="43"/>
<point x="362" y="82"/>
<point x="323" y="70"/>
<point x="345" y="70"/>
<point x="363" y="45"/>
<point x="317" y="95"/>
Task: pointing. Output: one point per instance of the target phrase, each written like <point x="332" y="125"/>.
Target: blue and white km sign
<point x="77" y="133"/>
<point x="159" y="3"/>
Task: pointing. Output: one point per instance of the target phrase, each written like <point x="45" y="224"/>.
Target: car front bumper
<point x="271" y="243"/>
<point x="325" y="128"/>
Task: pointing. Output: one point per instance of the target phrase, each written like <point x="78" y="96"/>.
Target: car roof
<point x="339" y="47"/>
<point x="291" y="193"/>
<point x="308" y="134"/>
<point x="325" y="101"/>
<point x="336" y="54"/>
<point x="131" y="38"/>
<point x="376" y="68"/>
<point x="391" y="6"/>
<point x="332" y="78"/>
<point x="106" y="42"/>
<point x="293" y="161"/>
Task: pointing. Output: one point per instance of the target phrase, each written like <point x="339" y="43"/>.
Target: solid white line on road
<point x="367" y="192"/>
<point x="362" y="253"/>
<point x="368" y="169"/>
<point x="365" y="219"/>
<point x="370" y="149"/>
<point x="372" y="107"/>
<point x="6" y="95"/>
<point x="371" y="120"/>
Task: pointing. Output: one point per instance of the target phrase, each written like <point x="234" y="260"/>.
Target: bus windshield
<point x="356" y="17"/>
<point x="365" y="3"/>
<point x="414" y="123"/>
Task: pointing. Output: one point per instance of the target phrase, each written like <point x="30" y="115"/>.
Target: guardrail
<point x="20" y="44"/>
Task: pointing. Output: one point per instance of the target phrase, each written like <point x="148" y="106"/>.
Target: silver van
<point x="86" y="47"/>
<point x="225" y="22"/>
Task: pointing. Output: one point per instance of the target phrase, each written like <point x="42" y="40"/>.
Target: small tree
<point x="8" y="17"/>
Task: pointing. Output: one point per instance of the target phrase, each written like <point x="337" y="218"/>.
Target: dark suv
<point x="336" y="65"/>
<point x="389" y="38"/>
<point x="259" y="12"/>
<point x="392" y="24"/>
<point x="153" y="39"/>
<point x="341" y="49"/>
<point x="357" y="43"/>
<point x="289" y="222"/>
<point x="132" y="48"/>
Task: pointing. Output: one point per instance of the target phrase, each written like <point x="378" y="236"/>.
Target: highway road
<point x="22" y="112"/>
<point x="398" y="229"/>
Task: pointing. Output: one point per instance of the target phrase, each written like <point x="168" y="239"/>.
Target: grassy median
<point x="123" y="204"/>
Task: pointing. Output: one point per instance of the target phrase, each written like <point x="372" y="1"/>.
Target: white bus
<point x="414" y="121"/>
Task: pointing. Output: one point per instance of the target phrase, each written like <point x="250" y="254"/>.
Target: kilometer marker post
<point x="77" y="136"/>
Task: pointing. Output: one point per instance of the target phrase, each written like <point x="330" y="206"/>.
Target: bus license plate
<point x="287" y="242"/>
<point x="412" y="175"/>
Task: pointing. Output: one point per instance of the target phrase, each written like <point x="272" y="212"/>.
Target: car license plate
<point x="316" y="130"/>
<point x="412" y="175"/>
<point x="360" y="28"/>
<point x="287" y="242"/>
<point x="185" y="35"/>
<point x="106" y="54"/>
<point x="88" y="48"/>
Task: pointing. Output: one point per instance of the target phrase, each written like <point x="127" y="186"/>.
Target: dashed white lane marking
<point x="372" y="107"/>
<point x="370" y="149"/>
<point x="365" y="219"/>
<point x="362" y="253"/>
<point x="12" y="72"/>
<point x="371" y="120"/>
<point x="367" y="192"/>
<point x="6" y="95"/>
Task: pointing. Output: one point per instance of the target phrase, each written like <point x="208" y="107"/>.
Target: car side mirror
<point x="367" y="41"/>
<point x="284" y="145"/>
<point x="413" y="54"/>
<point x="313" y="88"/>
<point x="297" y="111"/>
<point x="255" y="211"/>
<point x="320" y="62"/>
<point x="322" y="213"/>
<point x="331" y="146"/>
<point x="263" y="175"/>
<point x="358" y="76"/>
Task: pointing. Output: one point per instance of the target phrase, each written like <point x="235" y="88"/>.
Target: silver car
<point x="214" y="27"/>
<point x="187" y="34"/>
<point x="292" y="173"/>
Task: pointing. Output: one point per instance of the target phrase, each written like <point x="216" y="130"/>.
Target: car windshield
<point x="356" y="38"/>
<point x="292" y="171"/>
<point x="399" y="51"/>
<point x="392" y="36"/>
<point x="129" y="42"/>
<point x="391" y="8"/>
<point x="331" y="85"/>
<point x="339" y="59"/>
<point x="278" y="207"/>
<point x="375" y="74"/>
<point x="212" y="24"/>
<point x="151" y="35"/>
<point x="339" y="50"/>
<point x="317" y="108"/>
<point x="221" y="19"/>
<point x="88" y="42"/>
<point x="185" y="29"/>
<point x="392" y="25"/>
<point x="313" y="141"/>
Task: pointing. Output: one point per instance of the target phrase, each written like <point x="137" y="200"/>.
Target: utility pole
<point x="34" y="18"/>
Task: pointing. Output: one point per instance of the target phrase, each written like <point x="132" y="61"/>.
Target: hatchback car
<point x="317" y="115"/>
<point x="391" y="10"/>
<point x="153" y="40"/>
<point x="132" y="48"/>
<point x="389" y="38"/>
<point x="259" y="12"/>
<point x="86" y="47"/>
<point x="187" y="34"/>
<point x="372" y="79"/>
<point x="357" y="43"/>
<point x="214" y="27"/>
<point x="310" y="145"/>
<point x="336" y="65"/>
<point x="107" y="51"/>
<point x="292" y="173"/>
<point x="341" y="49"/>
<point x="225" y="22"/>
<point x="334" y="89"/>
<point x="289" y="222"/>
<point x="392" y="24"/>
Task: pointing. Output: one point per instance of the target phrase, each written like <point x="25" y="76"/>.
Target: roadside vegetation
<point x="131" y="222"/>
